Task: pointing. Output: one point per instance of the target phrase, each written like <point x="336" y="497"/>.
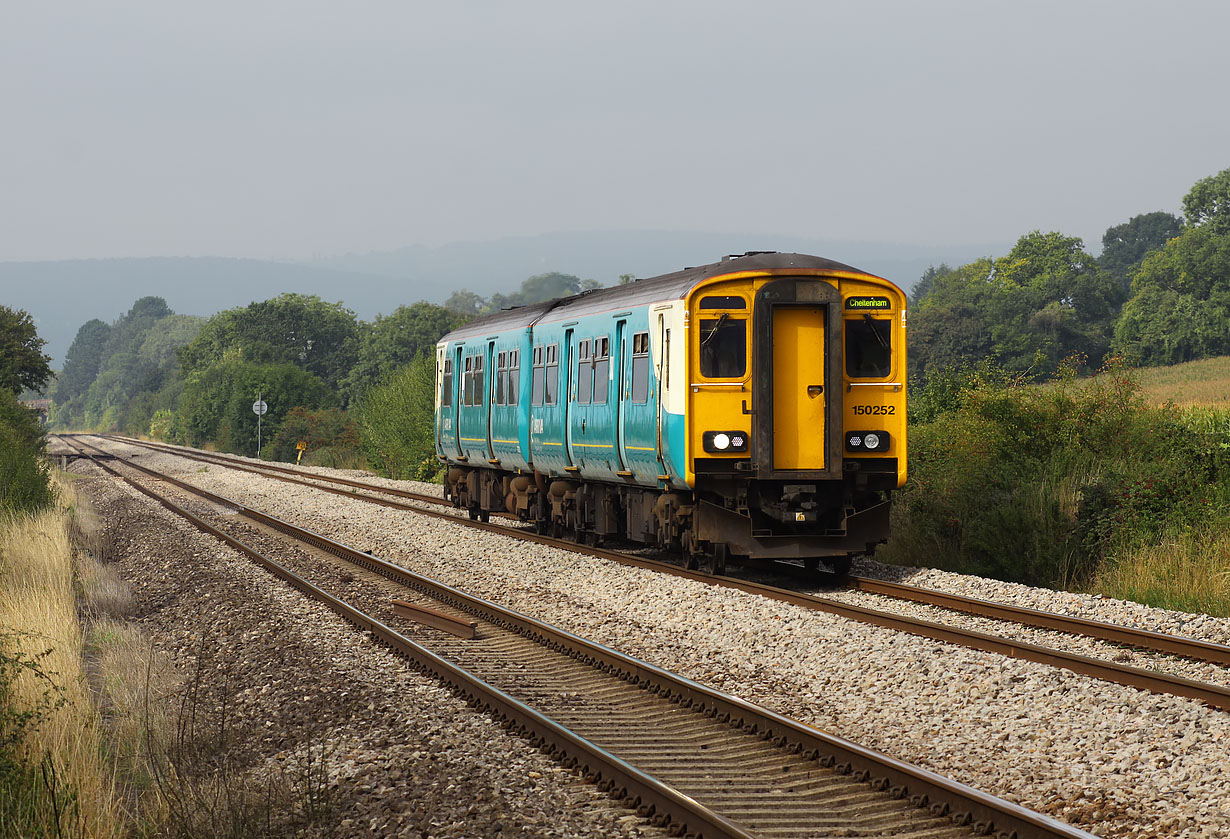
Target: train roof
<point x="673" y="286"/>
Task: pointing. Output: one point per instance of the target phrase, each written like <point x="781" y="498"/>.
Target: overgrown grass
<point x="1204" y="383"/>
<point x="58" y="783"/>
<point x="1076" y="484"/>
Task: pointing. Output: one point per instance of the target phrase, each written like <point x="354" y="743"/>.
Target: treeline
<point x="1159" y="294"/>
<point x="339" y="384"/>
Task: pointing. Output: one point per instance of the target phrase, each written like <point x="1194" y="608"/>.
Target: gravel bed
<point x="404" y="757"/>
<point x="1110" y="759"/>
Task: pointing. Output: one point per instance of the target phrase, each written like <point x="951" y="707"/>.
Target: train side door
<point x="490" y="406"/>
<point x="450" y="396"/>
<point x="619" y="374"/>
<point x="799" y="386"/>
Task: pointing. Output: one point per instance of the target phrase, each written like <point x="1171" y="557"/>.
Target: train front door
<point x="799" y="386"/>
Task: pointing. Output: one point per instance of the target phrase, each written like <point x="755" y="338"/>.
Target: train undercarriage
<point x="823" y="525"/>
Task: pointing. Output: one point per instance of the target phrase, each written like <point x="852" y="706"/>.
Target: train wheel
<point x="484" y="515"/>
<point x="473" y="512"/>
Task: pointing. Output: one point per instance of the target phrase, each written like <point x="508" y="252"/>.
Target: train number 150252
<point x="875" y="410"/>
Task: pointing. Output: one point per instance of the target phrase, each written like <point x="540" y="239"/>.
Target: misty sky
<point x="260" y="129"/>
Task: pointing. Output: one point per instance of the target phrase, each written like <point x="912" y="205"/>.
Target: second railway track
<point x="1157" y="681"/>
<point x="717" y="766"/>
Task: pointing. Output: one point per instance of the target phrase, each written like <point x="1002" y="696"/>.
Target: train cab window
<point x="723" y="347"/>
<point x="538" y="385"/>
<point x="869" y="348"/>
<point x="551" y="374"/>
<point x="640" y="367"/>
<point x="467" y="383"/>
<point x="723" y="302"/>
<point x="602" y="369"/>
<point x="446" y="383"/>
<point x="585" y="373"/>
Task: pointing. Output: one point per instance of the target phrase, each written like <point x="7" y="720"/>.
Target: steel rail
<point x="1155" y="681"/>
<point x="606" y="768"/>
<point x="1193" y="648"/>
<point x="984" y="812"/>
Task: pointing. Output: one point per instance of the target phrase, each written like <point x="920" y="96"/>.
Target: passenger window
<point x="585" y="373"/>
<point x="514" y="377"/>
<point x="538" y="385"/>
<point x="501" y="377"/>
<point x="640" y="367"/>
<point x="723" y="347"/>
<point x="467" y="383"/>
<point x="552" y="374"/>
<point x="869" y="349"/>
<point x="602" y="370"/>
<point x="446" y="386"/>
<point x="478" y="380"/>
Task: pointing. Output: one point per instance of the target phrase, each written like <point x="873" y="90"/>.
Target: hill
<point x="61" y="296"/>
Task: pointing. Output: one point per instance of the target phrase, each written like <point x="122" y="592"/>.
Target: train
<point x="749" y="408"/>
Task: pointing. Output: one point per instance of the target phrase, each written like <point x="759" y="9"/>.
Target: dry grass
<point x="38" y="603"/>
<point x="1188" y="572"/>
<point x="1204" y="382"/>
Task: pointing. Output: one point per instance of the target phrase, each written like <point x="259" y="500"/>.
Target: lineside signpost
<point x="260" y="409"/>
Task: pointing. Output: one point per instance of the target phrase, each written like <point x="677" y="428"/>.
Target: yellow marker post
<point x="302" y="447"/>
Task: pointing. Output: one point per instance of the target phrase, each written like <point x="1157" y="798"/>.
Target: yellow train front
<point x="796" y="409"/>
<point x="752" y="407"/>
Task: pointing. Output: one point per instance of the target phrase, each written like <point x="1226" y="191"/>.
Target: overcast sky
<point x="260" y="129"/>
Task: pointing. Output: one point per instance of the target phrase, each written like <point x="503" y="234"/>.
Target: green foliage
<point x="117" y="376"/>
<point x="1039" y="484"/>
<point x="1045" y="301"/>
<point x="1207" y="205"/>
<point x="1124" y="246"/>
<point x="216" y="404"/>
<point x="299" y="329"/>
<point x="330" y="428"/>
<point x="397" y="426"/>
<point x="22" y="361"/>
<point x="395" y="341"/>
<point x="82" y="361"/>
<point x="926" y="282"/>
<point x="1180" y="304"/>
<point x="25" y="484"/>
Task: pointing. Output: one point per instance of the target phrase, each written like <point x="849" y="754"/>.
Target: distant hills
<point x="63" y="295"/>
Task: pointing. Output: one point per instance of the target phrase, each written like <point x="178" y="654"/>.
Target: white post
<point x="258" y="426"/>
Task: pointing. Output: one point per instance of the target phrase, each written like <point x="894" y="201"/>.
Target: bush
<point x="328" y="428"/>
<point x="397" y="424"/>
<point x="1043" y="483"/>
<point x="25" y="483"/>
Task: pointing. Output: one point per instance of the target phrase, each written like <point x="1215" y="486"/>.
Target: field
<point x="1197" y="383"/>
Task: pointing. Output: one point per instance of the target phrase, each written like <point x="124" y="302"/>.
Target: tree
<point x="1208" y="203"/>
<point x="465" y="303"/>
<point x="1124" y="246"/>
<point x="394" y="341"/>
<point x="216" y="404"/>
<point x="1043" y="302"/>
<point x="396" y="423"/>
<point x="927" y="282"/>
<point x="1180" y="304"/>
<point x="82" y="360"/>
<point x="23" y="364"/>
<point x="299" y="329"/>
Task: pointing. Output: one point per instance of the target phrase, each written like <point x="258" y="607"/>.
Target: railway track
<point x="1145" y="679"/>
<point x="692" y="759"/>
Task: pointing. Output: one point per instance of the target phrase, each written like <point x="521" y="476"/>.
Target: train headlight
<point x="724" y="442"/>
<point x="867" y="441"/>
